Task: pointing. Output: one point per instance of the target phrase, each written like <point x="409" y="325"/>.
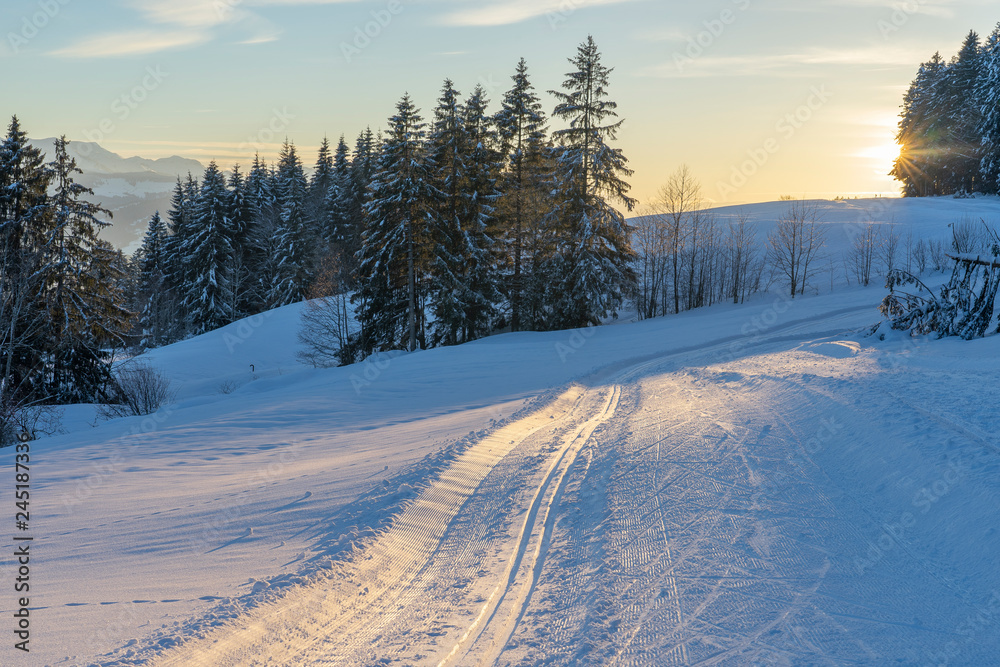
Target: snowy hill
<point x="926" y="218"/>
<point x="131" y="188"/>
<point x="757" y="484"/>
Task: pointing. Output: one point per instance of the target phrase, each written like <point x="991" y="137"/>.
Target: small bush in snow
<point x="20" y="421"/>
<point x="139" y="390"/>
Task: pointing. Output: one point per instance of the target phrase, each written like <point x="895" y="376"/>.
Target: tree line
<point x="949" y="128"/>
<point x="441" y="230"/>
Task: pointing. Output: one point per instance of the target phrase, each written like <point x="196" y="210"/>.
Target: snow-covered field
<point x="757" y="484"/>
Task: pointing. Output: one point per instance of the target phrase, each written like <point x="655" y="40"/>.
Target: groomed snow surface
<point x="759" y="484"/>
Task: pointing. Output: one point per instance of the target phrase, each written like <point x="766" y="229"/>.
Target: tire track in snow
<point x="306" y="617"/>
<point x="495" y="638"/>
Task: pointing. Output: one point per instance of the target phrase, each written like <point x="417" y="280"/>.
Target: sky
<point x="759" y="98"/>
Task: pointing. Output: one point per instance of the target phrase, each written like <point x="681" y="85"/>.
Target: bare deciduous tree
<point x="326" y="318"/>
<point x="745" y="262"/>
<point x="795" y="244"/>
<point x="860" y="256"/>
<point x="889" y="249"/>
<point x="651" y="240"/>
<point x="675" y="203"/>
<point x="921" y="256"/>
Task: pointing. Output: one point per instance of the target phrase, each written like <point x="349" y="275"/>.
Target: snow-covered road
<point x="800" y="499"/>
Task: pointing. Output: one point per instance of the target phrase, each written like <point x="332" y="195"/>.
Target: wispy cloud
<point x="132" y="42"/>
<point x="506" y="12"/>
<point x="170" y="24"/>
<point x="939" y="8"/>
<point x="188" y="13"/>
<point x="786" y="64"/>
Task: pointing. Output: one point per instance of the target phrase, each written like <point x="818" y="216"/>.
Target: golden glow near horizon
<point x="727" y="87"/>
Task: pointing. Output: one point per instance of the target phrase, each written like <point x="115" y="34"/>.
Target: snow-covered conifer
<point x="591" y="269"/>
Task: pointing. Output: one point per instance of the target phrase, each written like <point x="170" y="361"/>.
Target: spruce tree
<point x="922" y="132"/>
<point x="521" y="128"/>
<point x="466" y="272"/>
<point x="393" y="254"/>
<point x="208" y="254"/>
<point x="447" y="151"/>
<point x="259" y="244"/>
<point x="363" y="164"/>
<point x="296" y="238"/>
<point x="317" y="199"/>
<point x="963" y="117"/>
<point x="154" y="303"/>
<point x="24" y="218"/>
<point x="240" y="214"/>
<point x="176" y="272"/>
<point x="988" y="98"/>
<point x="592" y="265"/>
<point x="344" y="234"/>
<point x="81" y="312"/>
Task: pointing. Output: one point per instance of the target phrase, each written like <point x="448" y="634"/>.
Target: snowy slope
<point x="736" y="485"/>
<point x="926" y="218"/>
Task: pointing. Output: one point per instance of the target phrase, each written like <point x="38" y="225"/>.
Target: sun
<point x="884" y="154"/>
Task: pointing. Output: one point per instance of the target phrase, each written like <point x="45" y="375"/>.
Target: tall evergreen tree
<point x="363" y="165"/>
<point x="242" y="275"/>
<point x="988" y="98"/>
<point x="342" y="232"/>
<point x="447" y="151"/>
<point x="592" y="267"/>
<point x="154" y="303"/>
<point x="82" y="313"/>
<point x="964" y="116"/>
<point x="922" y="132"/>
<point x="296" y="237"/>
<point x="464" y="263"/>
<point x="208" y="254"/>
<point x="393" y="255"/>
<point x="176" y="267"/>
<point x="259" y="245"/>
<point x="521" y="127"/>
<point x="24" y="214"/>
<point x="317" y="199"/>
<point x="481" y="251"/>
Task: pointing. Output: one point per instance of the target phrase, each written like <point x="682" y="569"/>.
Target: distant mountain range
<point x="131" y="188"/>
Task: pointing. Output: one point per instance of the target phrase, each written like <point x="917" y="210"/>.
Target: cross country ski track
<point x="702" y="507"/>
